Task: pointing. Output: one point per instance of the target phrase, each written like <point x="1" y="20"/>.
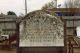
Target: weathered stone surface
<point x="41" y="29"/>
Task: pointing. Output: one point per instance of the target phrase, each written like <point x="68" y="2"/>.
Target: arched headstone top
<point x="41" y="13"/>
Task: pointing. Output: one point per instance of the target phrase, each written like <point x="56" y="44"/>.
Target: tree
<point x="2" y="14"/>
<point x="50" y="5"/>
<point x="77" y="3"/>
<point x="11" y="13"/>
<point x="72" y="4"/>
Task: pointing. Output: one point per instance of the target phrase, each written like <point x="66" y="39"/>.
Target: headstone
<point x="41" y="29"/>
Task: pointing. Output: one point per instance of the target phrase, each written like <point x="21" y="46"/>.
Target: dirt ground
<point x="7" y="51"/>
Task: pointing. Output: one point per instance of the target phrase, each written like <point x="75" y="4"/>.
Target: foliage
<point x="49" y="5"/>
<point x="11" y="13"/>
<point x="72" y="4"/>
